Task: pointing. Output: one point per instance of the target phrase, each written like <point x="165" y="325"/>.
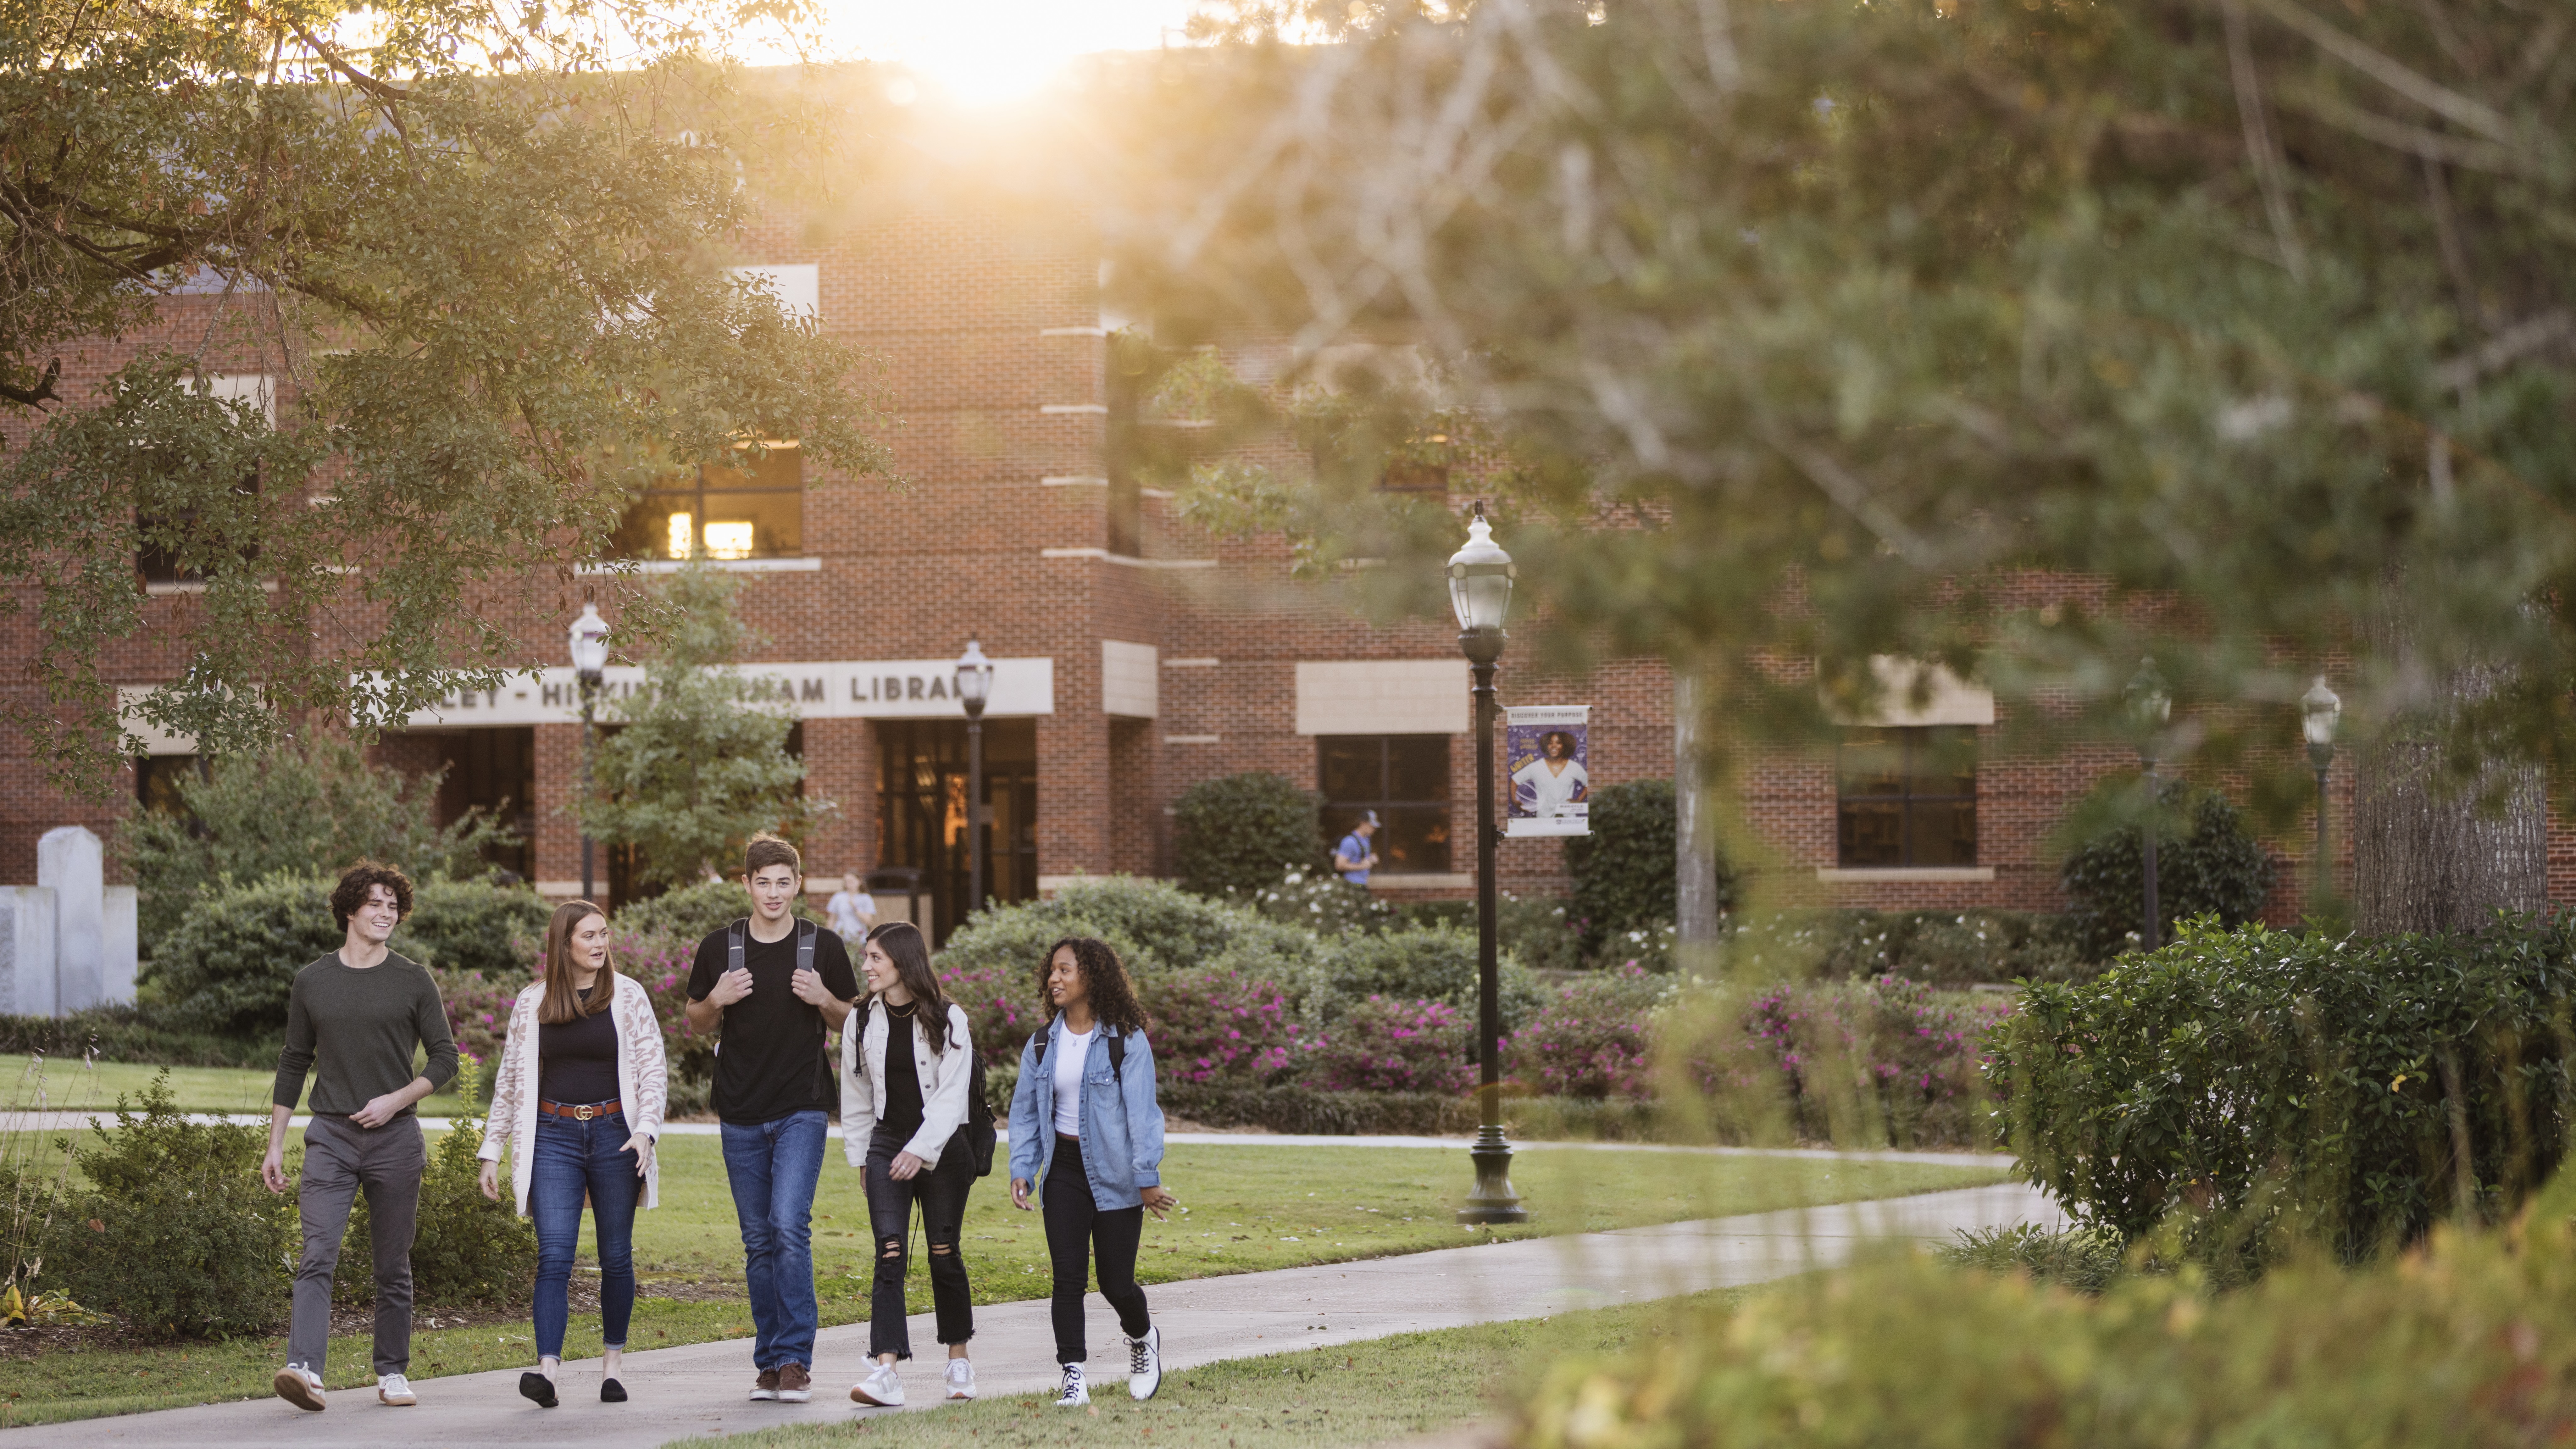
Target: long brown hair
<point x="1113" y="996"/>
<point x="911" y="957"/>
<point x="562" y="1001"/>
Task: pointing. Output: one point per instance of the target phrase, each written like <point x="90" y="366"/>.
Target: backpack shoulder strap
<point x="1038" y="1043"/>
<point x="733" y="944"/>
<point x="1117" y="1054"/>
<point x="804" y="945"/>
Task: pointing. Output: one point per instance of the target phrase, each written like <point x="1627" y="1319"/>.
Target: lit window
<point x="754" y="511"/>
<point x="1405" y="779"/>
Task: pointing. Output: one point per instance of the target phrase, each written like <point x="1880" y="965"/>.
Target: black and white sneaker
<point x="1073" y="1393"/>
<point x="1145" y="1363"/>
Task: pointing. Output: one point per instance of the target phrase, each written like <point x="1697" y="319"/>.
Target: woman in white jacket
<point x="903" y="1099"/>
<point x="579" y="1100"/>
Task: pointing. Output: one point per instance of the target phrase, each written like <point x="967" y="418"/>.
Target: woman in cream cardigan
<point x="580" y="1096"/>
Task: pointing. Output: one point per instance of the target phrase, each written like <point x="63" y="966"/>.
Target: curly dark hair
<point x="1113" y="996"/>
<point x="363" y="877"/>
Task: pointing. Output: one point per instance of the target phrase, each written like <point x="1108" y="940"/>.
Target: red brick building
<point x="1139" y="656"/>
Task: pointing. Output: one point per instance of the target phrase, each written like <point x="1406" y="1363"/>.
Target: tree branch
<point x="2431" y="95"/>
<point x="41" y="393"/>
<point x="2505" y="348"/>
<point x="2258" y="141"/>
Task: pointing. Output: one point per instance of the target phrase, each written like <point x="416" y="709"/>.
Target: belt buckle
<point x="584" y="1112"/>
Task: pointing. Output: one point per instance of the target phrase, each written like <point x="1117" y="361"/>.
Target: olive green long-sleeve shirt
<point x="361" y="1027"/>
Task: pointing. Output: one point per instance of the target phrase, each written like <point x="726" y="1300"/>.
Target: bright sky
<point x="996" y="50"/>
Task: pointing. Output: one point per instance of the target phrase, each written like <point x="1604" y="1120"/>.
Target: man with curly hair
<point x="358" y="1014"/>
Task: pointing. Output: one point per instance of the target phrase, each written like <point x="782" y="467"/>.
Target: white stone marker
<point x="26" y="951"/>
<point x="69" y="860"/>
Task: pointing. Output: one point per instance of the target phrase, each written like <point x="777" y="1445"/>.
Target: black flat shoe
<point x="537" y="1389"/>
<point x="611" y="1392"/>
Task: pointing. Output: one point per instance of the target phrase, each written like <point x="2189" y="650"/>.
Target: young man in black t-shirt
<point x="774" y="1078"/>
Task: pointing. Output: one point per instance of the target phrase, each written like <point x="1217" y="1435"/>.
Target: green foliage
<point x="231" y="963"/>
<point x="469" y="1249"/>
<point x="1320" y="901"/>
<point x="175" y="1234"/>
<point x="2267" y="1087"/>
<point x="2087" y="1260"/>
<point x="1430" y="963"/>
<point x="2198" y="371"/>
<point x="1626" y="871"/>
<point x="151" y="1035"/>
<point x="1153" y="927"/>
<point x="700" y="763"/>
<point x="473" y="926"/>
<point x="1937" y="948"/>
<point x="308" y="808"/>
<point x="1240" y="833"/>
<point x="1291" y="1108"/>
<point x="1540" y="931"/>
<point x="2207" y="863"/>
<point x="526" y="317"/>
<point x="2471" y="1342"/>
<point x="694" y="911"/>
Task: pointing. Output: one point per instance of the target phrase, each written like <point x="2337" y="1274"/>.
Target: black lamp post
<point x="974" y="687"/>
<point x="2150" y="705"/>
<point x="589" y="664"/>
<point x="1480" y="592"/>
<point x="2319" y="712"/>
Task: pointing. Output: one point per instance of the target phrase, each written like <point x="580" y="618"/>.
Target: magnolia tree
<point x="1787" y="332"/>
<point x="479" y="251"/>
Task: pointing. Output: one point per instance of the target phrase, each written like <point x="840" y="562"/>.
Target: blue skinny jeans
<point x="574" y="1158"/>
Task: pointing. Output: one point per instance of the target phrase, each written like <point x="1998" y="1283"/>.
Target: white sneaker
<point x="1074" y="1393"/>
<point x="880" y="1388"/>
<point x="299" y="1386"/>
<point x="1145" y="1363"/>
<point x="961" y="1379"/>
<point x="395" y="1389"/>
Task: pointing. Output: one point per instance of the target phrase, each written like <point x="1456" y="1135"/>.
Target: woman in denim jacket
<point x="1084" y="1122"/>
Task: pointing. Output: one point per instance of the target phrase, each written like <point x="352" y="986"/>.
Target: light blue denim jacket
<point x="1122" y="1124"/>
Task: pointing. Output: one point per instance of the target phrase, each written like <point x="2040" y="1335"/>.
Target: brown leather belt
<point x="582" y="1113"/>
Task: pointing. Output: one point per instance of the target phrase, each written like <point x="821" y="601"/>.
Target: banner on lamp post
<point x="1547" y="767"/>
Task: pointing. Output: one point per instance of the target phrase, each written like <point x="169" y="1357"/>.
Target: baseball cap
<point x="1368" y="817"/>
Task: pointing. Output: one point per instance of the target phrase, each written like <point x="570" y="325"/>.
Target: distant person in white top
<point x="853" y="911"/>
<point x="1553" y="783"/>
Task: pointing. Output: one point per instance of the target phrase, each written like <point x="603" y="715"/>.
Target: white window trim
<point x="1903" y="874"/>
<point x="726" y="565"/>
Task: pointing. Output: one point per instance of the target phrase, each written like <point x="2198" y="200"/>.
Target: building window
<point x="159" y="778"/>
<point x="1405" y="779"/>
<point x="754" y="511"/>
<point x="1908" y="796"/>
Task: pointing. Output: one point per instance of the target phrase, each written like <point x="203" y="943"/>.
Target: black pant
<point x="1080" y="1233"/>
<point x="941" y="1191"/>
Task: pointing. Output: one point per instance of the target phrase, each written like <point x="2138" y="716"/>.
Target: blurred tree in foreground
<point x="475" y="256"/>
<point x="1805" y="331"/>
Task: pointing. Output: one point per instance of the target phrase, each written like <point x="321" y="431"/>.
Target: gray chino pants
<point x="341" y="1159"/>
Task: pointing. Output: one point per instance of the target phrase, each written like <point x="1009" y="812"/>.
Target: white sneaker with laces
<point x="1074" y="1393"/>
<point x="300" y="1386"/>
<point x="961" y="1379"/>
<point x="1145" y="1363"/>
<point x="395" y="1389"/>
<point x="880" y="1388"/>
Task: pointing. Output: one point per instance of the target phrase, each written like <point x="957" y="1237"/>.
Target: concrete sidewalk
<point x="699" y="1390"/>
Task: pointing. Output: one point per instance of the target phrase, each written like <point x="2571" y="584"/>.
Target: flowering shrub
<point x="1886" y="1057"/>
<point x="1389" y="1044"/>
<point x="1592" y="1040"/>
<point x="1222" y="1025"/>
<point x="478" y="1009"/>
<point x="1001" y="1004"/>
<point x="1319" y="901"/>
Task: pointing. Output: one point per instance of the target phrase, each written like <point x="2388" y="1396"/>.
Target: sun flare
<point x="996" y="50"/>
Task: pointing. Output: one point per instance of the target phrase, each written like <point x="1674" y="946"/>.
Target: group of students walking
<point x="578" y="1106"/>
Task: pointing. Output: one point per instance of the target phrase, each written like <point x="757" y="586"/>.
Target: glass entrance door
<point x="921" y="800"/>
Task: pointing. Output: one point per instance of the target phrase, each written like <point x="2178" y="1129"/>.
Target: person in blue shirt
<point x="1353" y="857"/>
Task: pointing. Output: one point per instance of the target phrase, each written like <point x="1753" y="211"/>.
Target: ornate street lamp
<point x="1480" y="593"/>
<point x="589" y="665"/>
<point x="2150" y="705"/>
<point x="974" y="687"/>
<point x="2320" y="710"/>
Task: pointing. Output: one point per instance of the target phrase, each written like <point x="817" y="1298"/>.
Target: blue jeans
<point x="572" y="1158"/>
<point x="773" y="1168"/>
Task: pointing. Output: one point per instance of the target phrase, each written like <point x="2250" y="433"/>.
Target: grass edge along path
<point x="1318" y="1398"/>
<point x="1220" y="1237"/>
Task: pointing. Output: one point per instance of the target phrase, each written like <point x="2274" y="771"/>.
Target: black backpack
<point x="976" y="1132"/>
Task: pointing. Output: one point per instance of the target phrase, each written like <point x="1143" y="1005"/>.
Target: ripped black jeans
<point x="941" y="1191"/>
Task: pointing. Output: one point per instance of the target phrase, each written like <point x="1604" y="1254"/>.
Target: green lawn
<point x="70" y="1086"/>
<point x="1326" y="1398"/>
<point x="1249" y="1208"/>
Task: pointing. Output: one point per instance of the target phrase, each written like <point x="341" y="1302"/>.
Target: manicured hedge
<point x="2260" y="1081"/>
<point x="1238" y="834"/>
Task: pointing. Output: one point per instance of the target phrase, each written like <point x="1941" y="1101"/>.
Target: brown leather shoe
<point x="766" y="1387"/>
<point x="795" y="1385"/>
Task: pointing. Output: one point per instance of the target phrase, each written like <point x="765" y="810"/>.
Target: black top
<point x="902" y="1078"/>
<point x="577" y="1059"/>
<point x="361" y="1026"/>
<point x="771" y="1061"/>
